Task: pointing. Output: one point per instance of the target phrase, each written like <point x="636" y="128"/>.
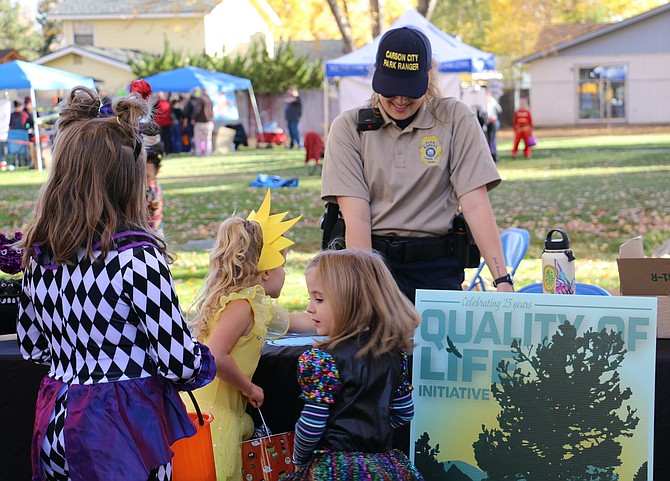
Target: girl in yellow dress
<point x="235" y="314"/>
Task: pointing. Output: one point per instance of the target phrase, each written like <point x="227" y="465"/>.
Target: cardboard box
<point x="646" y="276"/>
<point x="663" y="329"/>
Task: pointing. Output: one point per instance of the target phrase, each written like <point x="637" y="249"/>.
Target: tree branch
<point x="343" y="24"/>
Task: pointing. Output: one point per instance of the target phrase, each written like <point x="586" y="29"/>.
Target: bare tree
<point x="377" y="16"/>
<point x="426" y="8"/>
<point x="343" y="24"/>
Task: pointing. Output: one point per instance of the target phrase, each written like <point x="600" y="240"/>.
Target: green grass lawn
<point x="602" y="190"/>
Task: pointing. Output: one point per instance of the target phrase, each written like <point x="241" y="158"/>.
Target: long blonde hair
<point x="365" y="297"/>
<point x="233" y="266"/>
<point x="96" y="184"/>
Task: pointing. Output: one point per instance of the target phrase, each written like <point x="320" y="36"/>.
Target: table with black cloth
<point x="276" y="374"/>
<point x="19" y="383"/>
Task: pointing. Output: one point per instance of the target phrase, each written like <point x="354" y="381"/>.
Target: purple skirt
<point x="113" y="430"/>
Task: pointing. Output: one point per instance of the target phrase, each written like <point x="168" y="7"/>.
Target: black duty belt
<point x="411" y="249"/>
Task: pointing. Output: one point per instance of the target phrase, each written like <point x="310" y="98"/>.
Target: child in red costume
<point x="523" y="129"/>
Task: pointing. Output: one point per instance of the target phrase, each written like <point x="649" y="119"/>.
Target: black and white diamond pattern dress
<point x="119" y="349"/>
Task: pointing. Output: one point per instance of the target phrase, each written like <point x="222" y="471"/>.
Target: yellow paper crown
<point x="273" y="227"/>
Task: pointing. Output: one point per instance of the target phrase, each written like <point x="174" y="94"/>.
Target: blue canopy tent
<point x="451" y="55"/>
<point x="19" y="75"/>
<point x="186" y="79"/>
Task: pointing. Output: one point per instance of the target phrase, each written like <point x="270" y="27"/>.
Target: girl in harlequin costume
<point x="355" y="383"/>
<point x="235" y="314"/>
<point x="98" y="304"/>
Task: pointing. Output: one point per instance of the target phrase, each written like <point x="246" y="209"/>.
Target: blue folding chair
<point x="18" y="147"/>
<point x="515" y="243"/>
<point x="580" y="288"/>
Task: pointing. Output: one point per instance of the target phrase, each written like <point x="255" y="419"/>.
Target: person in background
<point x="18" y="120"/>
<point x="200" y="111"/>
<point x="98" y="304"/>
<point x="176" y="132"/>
<point x="5" y="114"/>
<point x="493" y="110"/>
<point x="235" y="315"/>
<point x="30" y="116"/>
<point x="30" y="127"/>
<point x="163" y="118"/>
<point x="292" y="113"/>
<point x="151" y="138"/>
<point x="19" y="117"/>
<point x="401" y="177"/>
<point x="523" y="129"/>
<point x="355" y="384"/>
<point x="186" y="128"/>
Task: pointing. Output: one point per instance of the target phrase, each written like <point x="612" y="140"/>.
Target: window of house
<point x="602" y="92"/>
<point x="83" y="33"/>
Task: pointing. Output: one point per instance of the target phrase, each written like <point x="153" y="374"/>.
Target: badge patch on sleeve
<point x="431" y="151"/>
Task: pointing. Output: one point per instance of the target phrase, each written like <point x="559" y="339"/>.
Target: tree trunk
<point x="426" y="8"/>
<point x="377" y="17"/>
<point x="343" y="25"/>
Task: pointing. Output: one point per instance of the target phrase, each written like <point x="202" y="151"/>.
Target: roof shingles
<point x="131" y="7"/>
<point x="556" y="34"/>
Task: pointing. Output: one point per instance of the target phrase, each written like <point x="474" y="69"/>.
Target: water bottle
<point x="558" y="264"/>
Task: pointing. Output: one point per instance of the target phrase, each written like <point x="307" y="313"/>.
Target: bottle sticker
<point x="555" y="279"/>
<point x="549" y="279"/>
<point x="564" y="284"/>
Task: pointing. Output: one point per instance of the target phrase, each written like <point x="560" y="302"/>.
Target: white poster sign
<point x="533" y="387"/>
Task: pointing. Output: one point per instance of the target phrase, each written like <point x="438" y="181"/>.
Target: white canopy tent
<point x="452" y="57"/>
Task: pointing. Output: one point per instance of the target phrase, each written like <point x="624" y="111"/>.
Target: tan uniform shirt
<point x="404" y="174"/>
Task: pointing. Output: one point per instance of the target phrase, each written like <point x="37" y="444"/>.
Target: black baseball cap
<point x="404" y="58"/>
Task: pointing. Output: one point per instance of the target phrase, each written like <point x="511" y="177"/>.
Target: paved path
<point x="197" y="245"/>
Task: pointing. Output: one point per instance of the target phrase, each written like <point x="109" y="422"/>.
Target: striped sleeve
<point x="308" y="431"/>
<point x="402" y="410"/>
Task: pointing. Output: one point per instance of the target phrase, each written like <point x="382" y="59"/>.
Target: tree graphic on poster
<point x="562" y="410"/>
<point x="425" y="459"/>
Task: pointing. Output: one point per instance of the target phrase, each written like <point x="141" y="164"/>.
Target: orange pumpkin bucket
<point x="194" y="457"/>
